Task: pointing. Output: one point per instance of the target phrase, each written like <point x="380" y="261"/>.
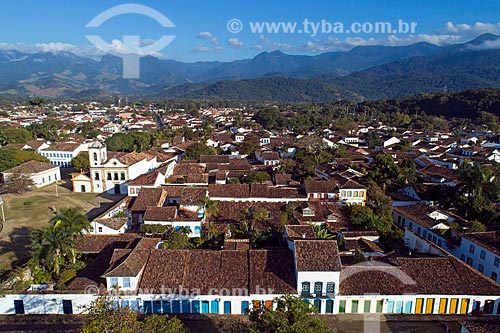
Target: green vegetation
<point x="208" y="207"/>
<point x="388" y="174"/>
<point x="292" y="315"/>
<point x="257" y="177"/>
<point x="14" y="135"/>
<point x="11" y="157"/>
<point x="81" y="161"/>
<point x="268" y="89"/>
<point x="29" y="212"/>
<point x="194" y="151"/>
<point x="247" y="148"/>
<point x="48" y="130"/>
<point x="322" y="231"/>
<point x="101" y="316"/>
<point x="128" y="142"/>
<point x="53" y="246"/>
<point x="89" y="130"/>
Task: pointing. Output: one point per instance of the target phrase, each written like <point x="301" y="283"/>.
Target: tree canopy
<point x="102" y="316"/>
<point x="292" y="315"/>
<point x="11" y="157"/>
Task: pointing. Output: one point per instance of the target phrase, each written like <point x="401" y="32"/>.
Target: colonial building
<point x="41" y="173"/>
<point x="151" y="279"/>
<point x="111" y="172"/>
<point x="62" y="154"/>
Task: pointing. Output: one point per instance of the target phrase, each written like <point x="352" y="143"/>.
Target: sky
<point x="229" y="30"/>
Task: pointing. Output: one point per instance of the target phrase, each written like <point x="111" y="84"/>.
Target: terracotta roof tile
<point x="114" y="223"/>
<point x="127" y="263"/>
<point x="317" y="255"/>
<point x="436" y="276"/>
<point x="305" y="231"/>
<point x="31" y="167"/>
<point x="147" y="179"/>
<point x="488" y="240"/>
<point x="149" y="197"/>
<point x="320" y="186"/>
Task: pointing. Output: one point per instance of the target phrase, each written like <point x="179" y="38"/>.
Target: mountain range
<point x="365" y="72"/>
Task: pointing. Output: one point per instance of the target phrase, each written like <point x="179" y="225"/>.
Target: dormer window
<point x="331" y="218"/>
<point x="308" y="211"/>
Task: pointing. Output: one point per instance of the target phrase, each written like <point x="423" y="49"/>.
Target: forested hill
<point x="445" y="72"/>
<point x="466" y="104"/>
<point x="267" y="89"/>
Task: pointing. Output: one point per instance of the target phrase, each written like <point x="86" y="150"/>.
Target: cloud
<point x="451" y="33"/>
<point x="209" y="36"/>
<point x="487" y="45"/>
<point x="477" y="29"/>
<point x="201" y="48"/>
<point x="86" y="51"/>
<point x="270" y="45"/>
<point x="235" y="43"/>
<point x="348" y="43"/>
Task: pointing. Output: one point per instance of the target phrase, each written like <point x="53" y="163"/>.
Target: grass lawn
<point x="32" y="210"/>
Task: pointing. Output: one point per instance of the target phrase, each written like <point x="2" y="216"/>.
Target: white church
<point x="110" y="172"/>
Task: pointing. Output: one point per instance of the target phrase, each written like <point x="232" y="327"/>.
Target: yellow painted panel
<point x="442" y="305"/>
<point x="429" y="306"/>
<point x="454" y="306"/>
<point x="464" y="306"/>
<point x="419" y="305"/>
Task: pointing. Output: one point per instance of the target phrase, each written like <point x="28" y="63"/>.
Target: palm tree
<point x="75" y="223"/>
<point x="74" y="219"/>
<point x="321" y="231"/>
<point x="50" y="246"/>
<point x="257" y="214"/>
<point x="209" y="208"/>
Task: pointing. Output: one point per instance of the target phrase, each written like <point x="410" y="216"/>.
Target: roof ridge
<point x="186" y="265"/>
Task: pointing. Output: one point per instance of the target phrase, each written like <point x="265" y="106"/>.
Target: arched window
<point x="349" y="193"/>
<point x="109" y="175"/>
<point x="122" y="176"/>
<point x="355" y="194"/>
<point x="95" y="156"/>
<point x="116" y="175"/>
<point x="96" y="177"/>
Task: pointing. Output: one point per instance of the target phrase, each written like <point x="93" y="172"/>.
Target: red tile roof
<point x="219" y="272"/>
<point x="434" y="276"/>
<point x="317" y="255"/>
<point x="31" y="167"/>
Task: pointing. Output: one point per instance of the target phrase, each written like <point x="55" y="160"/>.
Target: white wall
<point x="107" y="230"/>
<point x="313" y="277"/>
<point x="488" y="262"/>
<point x="52" y="303"/>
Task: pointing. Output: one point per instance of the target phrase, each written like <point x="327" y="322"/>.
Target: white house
<point x="62" y="154"/>
<point x="41" y="173"/>
<point x="481" y="250"/>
